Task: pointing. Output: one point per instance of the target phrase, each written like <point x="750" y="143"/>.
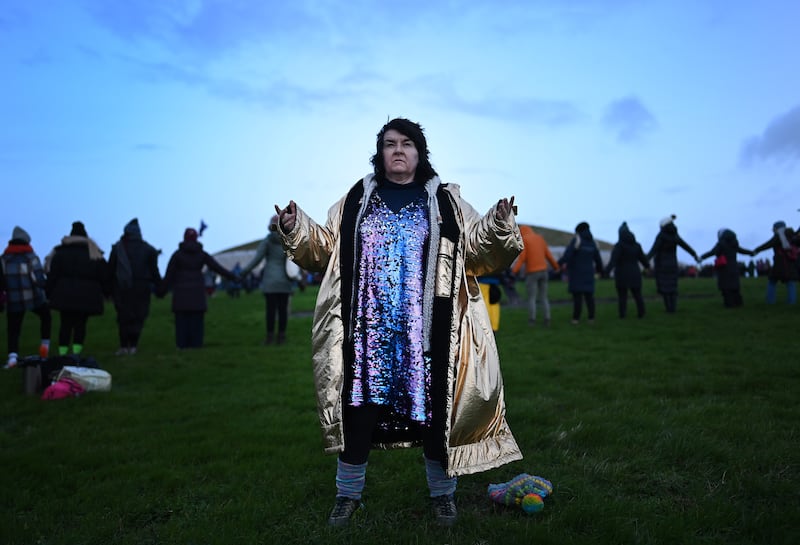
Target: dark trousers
<point x="189" y="329"/>
<point x="670" y="301"/>
<point x="72" y="327"/>
<point x="732" y="298"/>
<point x="622" y="301"/>
<point x="577" y="304"/>
<point x="359" y="422"/>
<point x="14" y="325"/>
<point x="277" y="306"/>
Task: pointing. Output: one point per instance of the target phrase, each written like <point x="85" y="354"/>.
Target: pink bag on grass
<point x="63" y="387"/>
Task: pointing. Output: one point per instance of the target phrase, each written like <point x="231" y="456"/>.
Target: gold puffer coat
<point x="476" y="433"/>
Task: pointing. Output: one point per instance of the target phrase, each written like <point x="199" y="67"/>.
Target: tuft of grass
<point x="671" y="429"/>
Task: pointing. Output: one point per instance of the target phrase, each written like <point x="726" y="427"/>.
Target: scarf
<point x="95" y="252"/>
<point x="781" y="232"/>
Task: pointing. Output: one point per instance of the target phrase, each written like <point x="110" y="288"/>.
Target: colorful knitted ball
<point x="532" y="503"/>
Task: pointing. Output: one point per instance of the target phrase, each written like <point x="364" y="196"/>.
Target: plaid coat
<point x="25" y="278"/>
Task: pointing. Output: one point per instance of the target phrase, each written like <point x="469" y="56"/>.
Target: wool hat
<point x="190" y="235"/>
<point x="623" y="228"/>
<point x="20" y="234"/>
<point x="666" y="221"/>
<point x="132" y="227"/>
<point x="582" y="226"/>
<point x="78" y="230"/>
<point x="778" y="224"/>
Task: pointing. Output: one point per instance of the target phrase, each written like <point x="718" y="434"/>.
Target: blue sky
<point x="585" y="110"/>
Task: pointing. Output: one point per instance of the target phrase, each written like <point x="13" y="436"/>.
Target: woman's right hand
<point x="287" y="216"/>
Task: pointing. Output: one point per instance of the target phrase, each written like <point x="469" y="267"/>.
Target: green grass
<point x="672" y="429"/>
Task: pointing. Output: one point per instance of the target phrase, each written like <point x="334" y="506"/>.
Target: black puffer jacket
<point x="664" y="254"/>
<point x="783" y="268"/>
<point x="727" y="245"/>
<point x="75" y="281"/>
<point x="184" y="277"/>
<point x="625" y="258"/>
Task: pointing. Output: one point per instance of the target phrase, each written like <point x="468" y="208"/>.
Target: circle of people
<point x="582" y="262"/>
<point x="75" y="279"/>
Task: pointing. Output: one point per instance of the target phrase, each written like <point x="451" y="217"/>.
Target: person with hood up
<point x="534" y="257"/>
<point x="77" y="285"/>
<point x="726" y="266"/>
<point x="626" y="256"/>
<point x="184" y="277"/>
<point x="134" y="274"/>
<point x="275" y="284"/>
<point x="25" y="291"/>
<point x="582" y="260"/>
<point x="664" y="255"/>
<point x="784" y="264"/>
<point x="403" y="350"/>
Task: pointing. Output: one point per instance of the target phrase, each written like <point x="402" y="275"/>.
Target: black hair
<point x="413" y="131"/>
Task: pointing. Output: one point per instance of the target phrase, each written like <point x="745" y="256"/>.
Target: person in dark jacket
<point x="77" y="285"/>
<point x="664" y="254"/>
<point x="784" y="267"/>
<point x="134" y="274"/>
<point x="625" y="258"/>
<point x="25" y="291"/>
<point x="275" y="284"/>
<point x="184" y="277"/>
<point x="582" y="260"/>
<point x="727" y="266"/>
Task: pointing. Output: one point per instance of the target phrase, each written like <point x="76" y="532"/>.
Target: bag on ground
<point x="92" y="379"/>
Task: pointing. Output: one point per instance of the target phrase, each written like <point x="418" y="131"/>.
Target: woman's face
<point x="400" y="157"/>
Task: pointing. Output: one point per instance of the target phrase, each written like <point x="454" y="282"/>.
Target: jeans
<point x="791" y="292"/>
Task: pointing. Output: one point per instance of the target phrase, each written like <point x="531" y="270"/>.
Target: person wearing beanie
<point x="784" y="262"/>
<point x="275" y="284"/>
<point x="726" y="267"/>
<point x="25" y="291"/>
<point x="184" y="277"/>
<point x="77" y="285"/>
<point x="664" y="255"/>
<point x="133" y="275"/>
<point x="626" y="257"/>
<point x="535" y="257"/>
<point x="582" y="261"/>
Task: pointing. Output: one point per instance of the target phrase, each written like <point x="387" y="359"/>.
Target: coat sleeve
<point x="261" y="251"/>
<point x="311" y="245"/>
<point x="491" y="244"/>
<point x="685" y="245"/>
<point x="212" y="264"/>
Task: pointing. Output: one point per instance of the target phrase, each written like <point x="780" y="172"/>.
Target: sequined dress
<point x="390" y="368"/>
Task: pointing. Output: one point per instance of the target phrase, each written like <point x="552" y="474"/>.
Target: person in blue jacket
<point x="582" y="260"/>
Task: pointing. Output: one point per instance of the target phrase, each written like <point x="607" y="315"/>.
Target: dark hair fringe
<point x="416" y="133"/>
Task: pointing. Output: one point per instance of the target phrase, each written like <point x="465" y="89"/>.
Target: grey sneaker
<point x="342" y="510"/>
<point x="444" y="509"/>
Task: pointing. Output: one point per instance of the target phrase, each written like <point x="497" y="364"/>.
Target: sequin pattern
<point x="390" y="368"/>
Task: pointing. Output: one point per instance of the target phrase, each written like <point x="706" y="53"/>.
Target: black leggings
<point x="73" y="326"/>
<point x="622" y="300"/>
<point x="359" y="422"/>
<point x="14" y="326"/>
<point x="277" y="304"/>
<point x="577" y="304"/>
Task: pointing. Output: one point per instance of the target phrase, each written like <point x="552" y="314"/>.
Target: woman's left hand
<point x="504" y="208"/>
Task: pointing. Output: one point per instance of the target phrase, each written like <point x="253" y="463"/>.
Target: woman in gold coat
<point x="403" y="350"/>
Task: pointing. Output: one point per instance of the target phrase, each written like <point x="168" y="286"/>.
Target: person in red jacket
<point x="535" y="256"/>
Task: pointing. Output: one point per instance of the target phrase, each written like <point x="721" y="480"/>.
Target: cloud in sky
<point x="779" y="142"/>
<point x="629" y="119"/>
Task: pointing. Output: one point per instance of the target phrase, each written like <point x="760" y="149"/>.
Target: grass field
<point x="672" y="429"/>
